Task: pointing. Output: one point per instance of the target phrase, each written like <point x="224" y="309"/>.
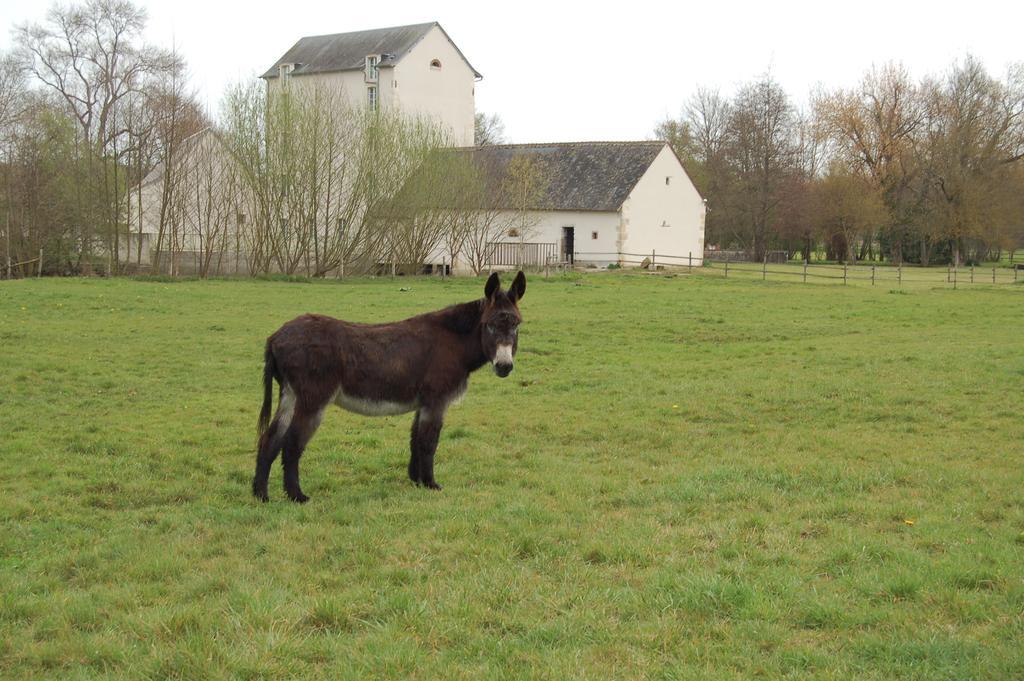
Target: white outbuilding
<point x="600" y="203"/>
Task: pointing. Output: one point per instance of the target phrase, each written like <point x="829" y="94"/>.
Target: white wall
<point x="597" y="251"/>
<point x="652" y="204"/>
<point x="446" y="94"/>
<point x="548" y="229"/>
<point x="351" y="84"/>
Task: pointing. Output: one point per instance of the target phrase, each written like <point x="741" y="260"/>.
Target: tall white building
<point x="415" y="68"/>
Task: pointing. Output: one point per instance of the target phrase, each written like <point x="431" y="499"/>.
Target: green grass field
<point x="684" y="477"/>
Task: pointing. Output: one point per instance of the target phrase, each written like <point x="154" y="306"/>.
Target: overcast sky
<point x="569" y="72"/>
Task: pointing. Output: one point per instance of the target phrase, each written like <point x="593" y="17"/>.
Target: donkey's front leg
<point x="426" y="429"/>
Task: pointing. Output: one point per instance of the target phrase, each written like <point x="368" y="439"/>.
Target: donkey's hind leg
<point x="298" y="435"/>
<point x="270" y="443"/>
<point x="269" y="446"/>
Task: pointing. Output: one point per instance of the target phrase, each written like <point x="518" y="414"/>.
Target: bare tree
<point x="522" y="189"/>
<point x="976" y="132"/>
<point x="330" y="187"/>
<point x="879" y="126"/>
<point x="488" y="130"/>
<point x="707" y="117"/>
<point x="846" y="206"/>
<point x="761" y="154"/>
<point x="92" y="56"/>
<point x="13" y="104"/>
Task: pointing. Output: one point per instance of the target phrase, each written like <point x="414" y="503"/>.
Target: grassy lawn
<point x="684" y="477"/>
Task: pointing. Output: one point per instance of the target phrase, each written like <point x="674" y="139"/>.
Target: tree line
<point x="922" y="171"/>
<point x="103" y="142"/>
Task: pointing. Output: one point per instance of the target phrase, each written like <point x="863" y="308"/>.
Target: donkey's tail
<point x="269" y="373"/>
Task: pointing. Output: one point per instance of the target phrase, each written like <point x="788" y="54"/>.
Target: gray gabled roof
<point x="584" y="176"/>
<point x="348" y="51"/>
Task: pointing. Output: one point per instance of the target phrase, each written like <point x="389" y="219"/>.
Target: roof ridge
<point x="371" y="30"/>
<point x="607" y="143"/>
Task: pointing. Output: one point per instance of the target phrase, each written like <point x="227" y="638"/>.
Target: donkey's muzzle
<point x="503" y="360"/>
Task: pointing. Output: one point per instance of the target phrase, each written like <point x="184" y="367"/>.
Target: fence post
<point x="726" y="265"/>
<point x="949" y="270"/>
<point x="954" y="276"/>
<point x="1014" y="273"/>
<point x="972" y="273"/>
<point x="872" y="275"/>
<point x="653" y="267"/>
<point x="844" y="273"/>
<point x="689" y="267"/>
<point x="805" y="270"/>
<point x="41" y="263"/>
<point x="764" y="268"/>
<point x="993" y="275"/>
<point x="899" y="273"/>
<point x="444" y="271"/>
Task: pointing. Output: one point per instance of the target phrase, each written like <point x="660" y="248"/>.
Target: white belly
<point x="360" y="405"/>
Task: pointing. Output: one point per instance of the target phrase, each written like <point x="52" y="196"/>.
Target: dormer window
<point x="435" y="64"/>
<point x="285" y="72"/>
<point x="372" y="60"/>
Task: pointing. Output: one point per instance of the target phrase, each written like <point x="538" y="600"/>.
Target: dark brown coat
<point x="421" y="364"/>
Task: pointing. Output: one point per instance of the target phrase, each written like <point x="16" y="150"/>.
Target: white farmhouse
<point x="600" y="203"/>
<point x="415" y="68"/>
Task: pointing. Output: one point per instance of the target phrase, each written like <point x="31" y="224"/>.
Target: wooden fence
<point x="874" y="274"/>
<point x="9" y="270"/>
<point x="512" y="254"/>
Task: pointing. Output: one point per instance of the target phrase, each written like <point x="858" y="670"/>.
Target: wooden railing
<point x="514" y="254"/>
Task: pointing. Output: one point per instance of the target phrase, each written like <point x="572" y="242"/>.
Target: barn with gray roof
<point x="591" y="204"/>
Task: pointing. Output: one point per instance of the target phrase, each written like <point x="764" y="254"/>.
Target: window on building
<point x="593" y="235"/>
<point x="667" y="180"/>
<point x="372" y="60"/>
<point x="371" y="97"/>
<point x="285" y="72"/>
<point x="435" y="64"/>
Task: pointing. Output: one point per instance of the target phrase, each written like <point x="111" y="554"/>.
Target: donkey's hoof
<point x="260" y="494"/>
<point x="299" y="498"/>
<point x="432" y="485"/>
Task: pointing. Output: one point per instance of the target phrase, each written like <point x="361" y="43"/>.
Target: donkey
<point x="421" y="364"/>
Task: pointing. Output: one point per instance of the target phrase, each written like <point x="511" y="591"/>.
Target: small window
<point x="513" y="232"/>
<point x="593" y="235"/>
<point x="240" y="218"/>
<point x="371" y="97"/>
<point x="285" y="72"/>
<point x="371" y="67"/>
<point x="667" y="179"/>
<point x="435" y="64"/>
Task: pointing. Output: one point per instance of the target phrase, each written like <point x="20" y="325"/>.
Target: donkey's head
<point x="499" y="324"/>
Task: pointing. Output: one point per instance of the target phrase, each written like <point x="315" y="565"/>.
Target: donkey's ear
<point x="492" y="286"/>
<point x="518" y="288"/>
